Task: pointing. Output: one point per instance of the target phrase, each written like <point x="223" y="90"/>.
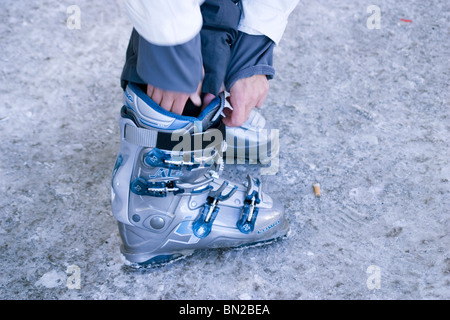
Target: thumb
<point x="195" y="97"/>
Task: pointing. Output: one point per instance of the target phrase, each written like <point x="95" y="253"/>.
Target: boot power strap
<point x="187" y="141"/>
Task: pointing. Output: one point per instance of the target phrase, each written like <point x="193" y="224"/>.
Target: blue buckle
<point x="202" y="225"/>
<point x="142" y="187"/>
<point x="246" y="223"/>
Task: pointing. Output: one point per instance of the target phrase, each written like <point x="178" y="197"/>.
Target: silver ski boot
<point x="167" y="195"/>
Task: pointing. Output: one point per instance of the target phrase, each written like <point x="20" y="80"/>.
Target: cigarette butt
<point x="316" y="187"/>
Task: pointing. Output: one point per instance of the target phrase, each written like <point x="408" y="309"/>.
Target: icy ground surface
<point x="363" y="112"/>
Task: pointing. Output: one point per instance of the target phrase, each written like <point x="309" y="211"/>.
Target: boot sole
<point x="163" y="260"/>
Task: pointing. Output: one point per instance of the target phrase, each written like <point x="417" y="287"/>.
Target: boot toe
<point x="271" y="221"/>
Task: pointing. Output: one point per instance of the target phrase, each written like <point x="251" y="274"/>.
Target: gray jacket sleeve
<point x="250" y="55"/>
<point x="175" y="68"/>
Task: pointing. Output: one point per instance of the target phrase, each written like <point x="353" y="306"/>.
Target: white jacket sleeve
<point x="165" y="22"/>
<point x="266" y="17"/>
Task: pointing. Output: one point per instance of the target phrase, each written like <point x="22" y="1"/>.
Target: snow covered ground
<point x="364" y="112"/>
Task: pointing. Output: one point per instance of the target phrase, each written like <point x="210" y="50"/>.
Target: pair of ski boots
<point x="167" y="194"/>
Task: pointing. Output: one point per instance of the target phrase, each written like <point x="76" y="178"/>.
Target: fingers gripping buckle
<point x="246" y="223"/>
<point x="204" y="221"/>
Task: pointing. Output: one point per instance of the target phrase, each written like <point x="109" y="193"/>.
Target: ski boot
<point x="167" y="194"/>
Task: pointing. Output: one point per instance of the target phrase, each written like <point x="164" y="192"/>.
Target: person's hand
<point x="173" y="101"/>
<point x="245" y="94"/>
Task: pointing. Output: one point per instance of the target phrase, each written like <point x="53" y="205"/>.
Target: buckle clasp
<point x="157" y="158"/>
<point x="246" y="223"/>
<point x="155" y="189"/>
<point x="202" y="225"/>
